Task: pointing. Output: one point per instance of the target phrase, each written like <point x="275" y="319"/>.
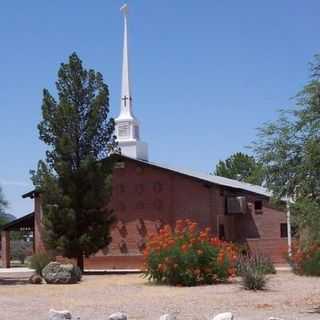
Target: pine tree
<point x="75" y="178"/>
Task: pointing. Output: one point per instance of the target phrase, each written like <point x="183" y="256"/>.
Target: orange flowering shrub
<point x="188" y="257"/>
<point x="306" y="261"/>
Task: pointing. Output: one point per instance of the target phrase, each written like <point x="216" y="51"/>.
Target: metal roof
<point x="222" y="181"/>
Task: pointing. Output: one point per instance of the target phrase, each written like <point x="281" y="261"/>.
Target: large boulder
<point x="58" y="273"/>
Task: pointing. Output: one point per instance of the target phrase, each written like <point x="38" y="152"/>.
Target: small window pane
<point x="283" y="230"/>
<point x="221" y="232"/>
<point x="258" y="205"/>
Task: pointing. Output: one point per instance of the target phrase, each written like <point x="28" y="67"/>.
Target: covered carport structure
<point x="25" y="223"/>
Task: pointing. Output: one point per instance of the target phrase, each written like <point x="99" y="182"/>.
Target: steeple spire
<point x="126" y="98"/>
<point x="127" y="126"/>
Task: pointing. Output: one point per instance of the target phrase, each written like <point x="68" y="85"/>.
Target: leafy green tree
<point x="289" y="149"/>
<point x="75" y="178"/>
<point x="242" y="167"/>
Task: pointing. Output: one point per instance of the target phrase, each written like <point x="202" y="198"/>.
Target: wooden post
<point x="5" y="248"/>
<point x="289" y="229"/>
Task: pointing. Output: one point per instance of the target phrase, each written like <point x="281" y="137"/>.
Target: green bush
<point x="187" y="257"/>
<point x="256" y="261"/>
<point x="306" y="261"/>
<point x="253" y="279"/>
<point x="311" y="266"/>
<point x="38" y="261"/>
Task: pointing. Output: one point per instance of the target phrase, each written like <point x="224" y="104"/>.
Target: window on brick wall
<point x="221" y="232"/>
<point x="283" y="230"/>
<point x="258" y="206"/>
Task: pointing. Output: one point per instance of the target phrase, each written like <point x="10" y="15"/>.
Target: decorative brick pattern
<point x="146" y="197"/>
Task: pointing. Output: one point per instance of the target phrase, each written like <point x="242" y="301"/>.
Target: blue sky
<point x="205" y="73"/>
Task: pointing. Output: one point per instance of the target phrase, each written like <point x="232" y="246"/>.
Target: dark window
<point x="258" y="206"/>
<point x="221" y="232"/>
<point x="283" y="230"/>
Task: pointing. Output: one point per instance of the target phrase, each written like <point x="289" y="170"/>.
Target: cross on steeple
<point x="125" y="98"/>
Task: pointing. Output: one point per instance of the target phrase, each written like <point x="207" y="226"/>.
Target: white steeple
<point x="127" y="126"/>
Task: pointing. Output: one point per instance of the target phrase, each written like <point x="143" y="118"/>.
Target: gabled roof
<point x="209" y="178"/>
<point x="31" y="194"/>
<point x="26" y="221"/>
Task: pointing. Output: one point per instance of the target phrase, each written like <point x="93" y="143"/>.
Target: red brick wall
<point x="273" y="247"/>
<point x="144" y="194"/>
<point x="151" y="193"/>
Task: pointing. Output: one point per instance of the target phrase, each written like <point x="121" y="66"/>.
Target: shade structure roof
<point x="25" y="222"/>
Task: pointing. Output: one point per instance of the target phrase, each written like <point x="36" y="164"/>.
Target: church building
<point x="147" y="195"/>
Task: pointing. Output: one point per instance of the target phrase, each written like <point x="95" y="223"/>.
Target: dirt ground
<point x="97" y="296"/>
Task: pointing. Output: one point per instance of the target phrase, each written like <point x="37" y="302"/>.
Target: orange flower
<point x="192" y="227"/>
<point x="215" y="241"/>
<point x="184" y="248"/>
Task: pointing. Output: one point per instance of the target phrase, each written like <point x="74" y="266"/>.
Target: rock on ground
<point x="224" y="316"/>
<point x="59" y="315"/>
<point x="35" y="279"/>
<point x="57" y="273"/>
<point x="118" y="316"/>
<point x="168" y="316"/>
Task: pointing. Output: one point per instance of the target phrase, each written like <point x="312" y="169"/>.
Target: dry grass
<point x="288" y="296"/>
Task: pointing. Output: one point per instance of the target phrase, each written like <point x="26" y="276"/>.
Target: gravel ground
<point x="288" y="296"/>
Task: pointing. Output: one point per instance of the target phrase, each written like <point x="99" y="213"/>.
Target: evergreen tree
<point x="75" y="178"/>
<point x="3" y="206"/>
<point x="242" y="167"/>
<point x="289" y="148"/>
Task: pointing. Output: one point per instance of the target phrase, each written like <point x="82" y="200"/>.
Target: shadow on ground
<point x="12" y="281"/>
<point x="315" y="310"/>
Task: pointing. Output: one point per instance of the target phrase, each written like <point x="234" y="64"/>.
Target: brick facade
<point x="146" y="196"/>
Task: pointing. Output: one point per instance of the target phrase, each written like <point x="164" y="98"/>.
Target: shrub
<point x="38" y="261"/>
<point x="256" y="261"/>
<point x="187" y="257"/>
<point x="306" y="261"/>
<point x="253" y="279"/>
<point x="253" y="270"/>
